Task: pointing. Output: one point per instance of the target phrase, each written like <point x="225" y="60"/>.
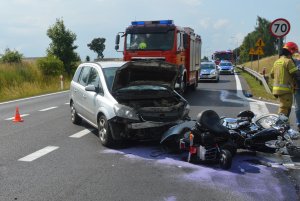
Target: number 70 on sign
<point x="280" y="27"/>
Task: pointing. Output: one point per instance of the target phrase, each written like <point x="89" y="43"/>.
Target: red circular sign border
<point x="270" y="28"/>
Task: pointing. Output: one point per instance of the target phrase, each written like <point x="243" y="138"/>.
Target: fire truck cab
<point x="163" y="40"/>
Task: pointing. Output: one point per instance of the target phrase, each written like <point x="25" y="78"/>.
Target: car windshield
<point x="207" y="66"/>
<point x="225" y="64"/>
<point x="223" y="56"/>
<point x="109" y="74"/>
<point x="150" y="41"/>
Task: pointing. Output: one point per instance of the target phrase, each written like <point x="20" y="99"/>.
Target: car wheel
<point x="74" y="116"/>
<point x="104" y="132"/>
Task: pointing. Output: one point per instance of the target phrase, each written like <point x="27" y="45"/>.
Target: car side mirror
<point x="90" y="88"/>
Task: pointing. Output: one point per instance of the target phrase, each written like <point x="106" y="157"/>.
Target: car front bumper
<point x="207" y="77"/>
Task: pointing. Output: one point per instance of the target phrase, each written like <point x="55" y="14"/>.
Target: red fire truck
<point x="163" y="40"/>
<point x="223" y="55"/>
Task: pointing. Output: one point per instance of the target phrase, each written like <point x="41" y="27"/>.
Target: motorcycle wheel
<point x="230" y="146"/>
<point x="225" y="159"/>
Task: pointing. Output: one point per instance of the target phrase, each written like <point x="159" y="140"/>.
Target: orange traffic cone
<point x="17" y="116"/>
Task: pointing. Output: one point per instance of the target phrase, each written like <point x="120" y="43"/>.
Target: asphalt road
<point x="48" y="158"/>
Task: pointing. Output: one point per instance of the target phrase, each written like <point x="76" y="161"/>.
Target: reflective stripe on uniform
<point x="293" y="70"/>
<point x="282" y="89"/>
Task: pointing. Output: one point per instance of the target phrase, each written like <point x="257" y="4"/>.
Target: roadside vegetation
<point x="25" y="79"/>
<point x="256" y="88"/>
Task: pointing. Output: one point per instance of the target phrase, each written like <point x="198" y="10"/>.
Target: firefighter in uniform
<point x="283" y="73"/>
<point x="296" y="58"/>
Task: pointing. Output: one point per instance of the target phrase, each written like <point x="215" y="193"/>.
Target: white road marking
<point x="22" y="115"/>
<point x="81" y="133"/>
<point x="38" y="154"/>
<point x="49" y="108"/>
<point x="67" y="103"/>
<point x="34" y="97"/>
<point x="258" y="107"/>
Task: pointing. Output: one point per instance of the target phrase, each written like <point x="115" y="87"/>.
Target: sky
<point x="222" y="24"/>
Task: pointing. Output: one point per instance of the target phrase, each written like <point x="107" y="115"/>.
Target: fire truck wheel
<point x="183" y="85"/>
<point x="195" y="85"/>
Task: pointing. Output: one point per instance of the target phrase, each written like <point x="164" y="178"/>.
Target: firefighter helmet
<point x="142" y="45"/>
<point x="291" y="47"/>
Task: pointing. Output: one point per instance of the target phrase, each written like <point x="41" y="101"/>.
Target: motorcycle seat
<point x="211" y="121"/>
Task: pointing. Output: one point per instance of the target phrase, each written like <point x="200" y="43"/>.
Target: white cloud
<point x="205" y="22"/>
<point x="221" y="23"/>
<point x="193" y="2"/>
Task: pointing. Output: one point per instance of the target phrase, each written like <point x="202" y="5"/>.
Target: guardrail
<point x="257" y="76"/>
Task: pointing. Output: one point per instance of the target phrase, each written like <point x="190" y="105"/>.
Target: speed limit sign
<point x="280" y="27"/>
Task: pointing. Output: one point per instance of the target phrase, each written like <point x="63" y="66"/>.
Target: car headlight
<point x="125" y="112"/>
<point x="213" y="72"/>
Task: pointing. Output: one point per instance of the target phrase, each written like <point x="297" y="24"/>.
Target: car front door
<point x="93" y="98"/>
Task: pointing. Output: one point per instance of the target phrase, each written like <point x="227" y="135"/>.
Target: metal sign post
<point x="259" y="51"/>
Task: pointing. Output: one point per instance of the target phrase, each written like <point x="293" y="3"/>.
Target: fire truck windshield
<point x="223" y="56"/>
<point x="150" y="41"/>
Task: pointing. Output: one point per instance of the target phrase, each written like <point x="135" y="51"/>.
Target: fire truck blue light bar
<point x="164" y="22"/>
<point x="138" y="23"/>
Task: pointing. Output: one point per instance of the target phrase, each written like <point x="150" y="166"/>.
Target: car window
<point x="207" y="66"/>
<point x="225" y="64"/>
<point x="84" y="75"/>
<point x="93" y="78"/>
<point x="109" y="74"/>
<point x="76" y="75"/>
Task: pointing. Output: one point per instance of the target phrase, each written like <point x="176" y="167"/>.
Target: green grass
<point x="256" y="88"/>
<point x="25" y="80"/>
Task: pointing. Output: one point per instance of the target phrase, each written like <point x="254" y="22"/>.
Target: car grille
<point x="160" y="117"/>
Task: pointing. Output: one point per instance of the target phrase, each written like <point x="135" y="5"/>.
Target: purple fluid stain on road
<point x="248" y="176"/>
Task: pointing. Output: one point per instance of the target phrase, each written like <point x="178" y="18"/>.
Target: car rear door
<point x="79" y="93"/>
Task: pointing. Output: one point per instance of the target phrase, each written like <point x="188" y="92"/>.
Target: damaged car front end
<point x="147" y="105"/>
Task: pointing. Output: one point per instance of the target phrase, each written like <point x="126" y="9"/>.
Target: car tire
<point x="74" y="116"/>
<point x="104" y="132"/>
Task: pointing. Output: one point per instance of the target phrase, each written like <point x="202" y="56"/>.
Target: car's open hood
<point x="145" y="73"/>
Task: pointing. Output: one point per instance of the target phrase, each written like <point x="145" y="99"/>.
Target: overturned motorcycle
<point x="265" y="133"/>
<point x="205" y="139"/>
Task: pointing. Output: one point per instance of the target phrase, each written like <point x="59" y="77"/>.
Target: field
<point x="257" y="90"/>
<point x="24" y="79"/>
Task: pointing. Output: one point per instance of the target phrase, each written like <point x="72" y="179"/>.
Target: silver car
<point x="209" y="71"/>
<point x="127" y="100"/>
<point x="226" y="67"/>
